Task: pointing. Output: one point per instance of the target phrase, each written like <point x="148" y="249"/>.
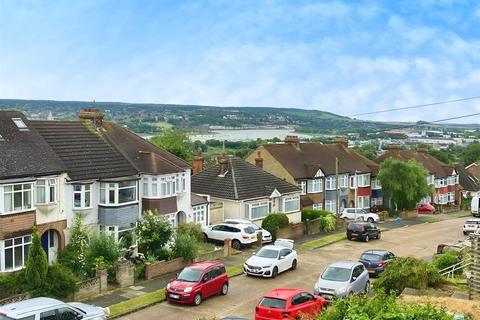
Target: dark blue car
<point x="376" y="260"/>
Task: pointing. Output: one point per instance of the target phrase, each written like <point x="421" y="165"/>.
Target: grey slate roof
<point x="84" y="150"/>
<point x="24" y="152"/>
<point x="241" y="182"/>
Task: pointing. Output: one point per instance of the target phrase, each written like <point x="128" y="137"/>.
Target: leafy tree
<point x="176" y="142"/>
<point x="367" y="150"/>
<point x="153" y="232"/>
<point x="73" y="256"/>
<point x="103" y="251"/>
<point x="36" y="268"/>
<point x="404" y="182"/>
<point x="471" y="153"/>
<point x="186" y="245"/>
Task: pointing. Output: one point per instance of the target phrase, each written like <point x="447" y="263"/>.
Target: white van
<point x="474" y="206"/>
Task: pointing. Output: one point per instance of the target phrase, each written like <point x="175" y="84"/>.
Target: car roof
<point x="345" y="264"/>
<point x="282" y="293"/>
<point x="473" y="219"/>
<point x="18" y="308"/>
<point x="376" y="251"/>
<point x="274" y="247"/>
<point x="359" y="222"/>
<point x="238" y="221"/>
<point x="237" y="225"/>
<point x="204" y="264"/>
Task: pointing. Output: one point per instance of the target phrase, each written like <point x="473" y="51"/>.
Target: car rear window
<point x="371" y="257"/>
<point x="472" y="222"/>
<point x="355" y="227"/>
<point x="274" y="303"/>
<point x="249" y="230"/>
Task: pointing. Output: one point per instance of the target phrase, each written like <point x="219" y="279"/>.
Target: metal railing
<point x="449" y="272"/>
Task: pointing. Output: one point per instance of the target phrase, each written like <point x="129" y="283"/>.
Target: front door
<point x="181" y="218"/>
<point x="50" y="244"/>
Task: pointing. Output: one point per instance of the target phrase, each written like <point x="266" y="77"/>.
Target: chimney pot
<point x="223" y="165"/>
<point x="259" y="160"/>
<point x="197" y="165"/>
<point x="293" y="140"/>
<point x="92" y="114"/>
<point x="341" y="140"/>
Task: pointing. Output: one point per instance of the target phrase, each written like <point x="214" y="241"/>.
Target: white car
<point x="359" y="214"/>
<point x="240" y="234"/>
<point x="271" y="260"/>
<point x="266" y="236"/>
<point x="472" y="225"/>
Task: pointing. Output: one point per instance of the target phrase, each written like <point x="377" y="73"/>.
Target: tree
<point x="404" y="182"/>
<point x="153" y="232"/>
<point x="36" y="268"/>
<point x="74" y="255"/>
<point x="176" y="142"/>
<point x="471" y="153"/>
<point x="367" y="150"/>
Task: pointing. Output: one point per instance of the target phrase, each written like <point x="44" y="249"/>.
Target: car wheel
<point x="205" y="237"/>
<point x="367" y="238"/>
<point x="197" y="300"/>
<point x="236" y="245"/>
<point x="367" y="287"/>
<point x="275" y="272"/>
<point x="349" y="237"/>
<point x="294" y="265"/>
<point x="224" y="289"/>
<point x="370" y="220"/>
<point x="379" y="235"/>
<point x="464" y="233"/>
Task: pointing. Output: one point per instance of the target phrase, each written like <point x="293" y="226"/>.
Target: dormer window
<point x="20" y="124"/>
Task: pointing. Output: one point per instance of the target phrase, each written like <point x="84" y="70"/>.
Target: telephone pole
<point x="337" y="193"/>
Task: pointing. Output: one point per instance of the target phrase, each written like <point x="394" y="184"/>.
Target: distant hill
<point x="151" y="118"/>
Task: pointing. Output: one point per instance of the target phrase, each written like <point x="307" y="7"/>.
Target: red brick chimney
<point x="93" y="115"/>
<point x="293" y="140"/>
<point x="223" y="165"/>
<point x="341" y="140"/>
<point x="259" y="160"/>
<point x="197" y="165"/>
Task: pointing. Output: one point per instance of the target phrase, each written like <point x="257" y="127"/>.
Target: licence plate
<point x="471" y="226"/>
<point x="354" y="234"/>
<point x="372" y="270"/>
<point x="174" y="296"/>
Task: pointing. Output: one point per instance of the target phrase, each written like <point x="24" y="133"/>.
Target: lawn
<point x="325" y="240"/>
<point x="137" y="303"/>
<point x="235" y="270"/>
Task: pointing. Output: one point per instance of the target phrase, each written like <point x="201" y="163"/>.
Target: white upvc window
<point x="291" y="204"/>
<point x="363" y="180"/>
<point x="376" y="184"/>
<point x="17" y="197"/>
<point x="353" y="183"/>
<point x="317" y="206"/>
<point x="303" y="185"/>
<point x="442" y="198"/>
<point x="343" y="181"/>
<point x="363" y="202"/>
<point x="440" y="183"/>
<point x="124" y="192"/>
<point x="331" y="205"/>
<point x="427" y="199"/>
<point x="46" y="191"/>
<point x="330" y="183"/>
<point x="258" y="210"/>
<point x="82" y="196"/>
<point x="164" y="186"/>
<point x="451" y="197"/>
<point x="377" y="201"/>
<point x="117" y="232"/>
<point x="200" y="214"/>
<point x="457" y="179"/>
<point x="431" y="179"/>
<point x="314" y="185"/>
<point x="451" y="180"/>
<point x="14" y="253"/>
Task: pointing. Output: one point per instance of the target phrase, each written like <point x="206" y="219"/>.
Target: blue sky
<point x="344" y="57"/>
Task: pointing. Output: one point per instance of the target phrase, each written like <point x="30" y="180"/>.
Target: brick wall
<point x="159" y="268"/>
<point x="12" y="225"/>
<point x="293" y="231"/>
<point x="213" y="255"/>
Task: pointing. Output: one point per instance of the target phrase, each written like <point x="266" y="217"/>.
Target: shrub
<point x="186" y="246"/>
<point x="12" y="283"/>
<point x="102" y="245"/>
<point x="274" y="221"/>
<point x="378" y="208"/>
<point x="327" y="223"/>
<point x="311" y="214"/>
<point x="61" y="282"/>
<point x="191" y="228"/>
<point x="73" y="256"/>
<point x="447" y="259"/>
<point x="139" y="271"/>
<point x="162" y="254"/>
<point x="153" y="232"/>
<point x="408" y="272"/>
<point x="36" y="267"/>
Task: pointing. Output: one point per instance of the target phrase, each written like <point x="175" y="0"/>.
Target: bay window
<point x="363" y="202"/>
<point x="303" y="185"/>
<point x="199" y="214"/>
<point x="46" y="191"/>
<point x="17" y="197"/>
<point x="331" y="206"/>
<point x="363" y="180"/>
<point x="376" y="184"/>
<point x="440" y="183"/>
<point x="343" y="181"/>
<point x="82" y="196"/>
<point x="451" y="180"/>
<point x="164" y="186"/>
<point x="330" y="183"/>
<point x="257" y="210"/>
<point x="118" y="193"/>
<point x="314" y="186"/>
<point x="431" y="179"/>
<point x="14" y="253"/>
<point x="451" y="197"/>
<point x="291" y="204"/>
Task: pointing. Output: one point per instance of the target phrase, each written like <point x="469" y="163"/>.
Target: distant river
<point x="246" y="135"/>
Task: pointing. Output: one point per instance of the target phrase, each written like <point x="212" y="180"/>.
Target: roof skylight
<point x="20" y="124"/>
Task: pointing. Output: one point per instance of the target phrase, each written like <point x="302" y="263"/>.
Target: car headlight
<point x="189" y="289"/>
<point x="168" y="285"/>
<point x="267" y="266"/>
<point x="341" y="290"/>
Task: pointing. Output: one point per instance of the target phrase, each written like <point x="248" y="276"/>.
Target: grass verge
<point x="325" y="240"/>
<point x="235" y="270"/>
<point x="137" y="303"/>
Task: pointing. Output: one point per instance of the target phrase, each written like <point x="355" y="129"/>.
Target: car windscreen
<point x="355" y="227"/>
<point x="371" y="257"/>
<point x="336" y="274"/>
<point x="267" y="253"/>
<point x="249" y="230"/>
<point x="274" y="303"/>
<point x="190" y="275"/>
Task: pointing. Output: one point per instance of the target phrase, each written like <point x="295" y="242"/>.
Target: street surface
<point x="420" y="241"/>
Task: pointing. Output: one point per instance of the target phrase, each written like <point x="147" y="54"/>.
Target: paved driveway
<point x="245" y="292"/>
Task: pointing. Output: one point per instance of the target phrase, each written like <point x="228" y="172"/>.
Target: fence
<point x="474" y="281"/>
<point x="15" y="298"/>
<point x="92" y="287"/>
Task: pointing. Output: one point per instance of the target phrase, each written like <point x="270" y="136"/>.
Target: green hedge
<point x="447" y="259"/>
<point x="274" y="221"/>
<point x="310" y="214"/>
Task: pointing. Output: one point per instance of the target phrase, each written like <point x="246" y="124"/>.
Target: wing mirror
<point x="353" y="279"/>
<point x="281" y="258"/>
<point x="254" y="253"/>
<point x="205" y="279"/>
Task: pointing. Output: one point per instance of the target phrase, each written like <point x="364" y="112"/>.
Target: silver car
<point x="342" y="278"/>
<point x="51" y="309"/>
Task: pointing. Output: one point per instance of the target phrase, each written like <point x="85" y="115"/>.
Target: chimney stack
<point x="223" y="165"/>
<point x="93" y="115"/>
<point x="341" y="140"/>
<point x="293" y="140"/>
<point x="259" y="160"/>
<point x="197" y="165"/>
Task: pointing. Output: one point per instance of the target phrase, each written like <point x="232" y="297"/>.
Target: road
<point x="245" y="292"/>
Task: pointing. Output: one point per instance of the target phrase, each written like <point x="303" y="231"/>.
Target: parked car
<point x="474" y="206"/>
<point x="197" y="282"/>
<point x="359" y="214"/>
<point x="471" y="225"/>
<point x="376" y="260"/>
<point x="426" y="208"/>
<point x="363" y="231"/>
<point x="241" y="234"/>
<point x="342" y="278"/>
<point x="271" y="260"/>
<point x="266" y="236"/>
<point x="289" y="304"/>
<point x="47" y="308"/>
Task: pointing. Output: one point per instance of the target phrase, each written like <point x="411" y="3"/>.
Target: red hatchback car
<point x="426" y="208"/>
<point x="286" y="303"/>
<point x="197" y="282"/>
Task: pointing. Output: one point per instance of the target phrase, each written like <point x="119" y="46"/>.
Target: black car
<point x="362" y="231"/>
<point x="376" y="260"/>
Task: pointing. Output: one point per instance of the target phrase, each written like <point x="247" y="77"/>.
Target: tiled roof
<point x="197" y="199"/>
<point x="242" y="181"/>
<point x="467" y="180"/>
<point x="24" y="152"/>
<point x="429" y="162"/>
<point x="83" y="150"/>
<point x="308" y="158"/>
<point x="145" y="156"/>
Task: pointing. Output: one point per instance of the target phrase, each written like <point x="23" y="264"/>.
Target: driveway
<point x="419" y="240"/>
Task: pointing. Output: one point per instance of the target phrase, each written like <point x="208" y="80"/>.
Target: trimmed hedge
<point x="275" y="221"/>
<point x="311" y="214"/>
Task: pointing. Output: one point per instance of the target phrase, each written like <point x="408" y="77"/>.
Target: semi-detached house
<point x="53" y="170"/>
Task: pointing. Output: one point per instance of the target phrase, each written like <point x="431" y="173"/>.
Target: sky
<point x="345" y="57"/>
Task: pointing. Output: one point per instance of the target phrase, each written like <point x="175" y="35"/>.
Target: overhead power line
<point x="414" y="107"/>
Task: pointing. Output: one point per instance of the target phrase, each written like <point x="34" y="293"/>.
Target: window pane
<point x="111" y="196"/>
<point x="87" y="187"/>
<point x="145" y="189"/>
<point x="27" y="199"/>
<point x="17" y="201"/>
<point x="102" y="195"/>
<point x="17" y="187"/>
<point x="77" y="201"/>
<point x="8" y="202"/>
<point x="8" y="243"/>
<point x="8" y="259"/>
<point x="155" y="188"/>
<point x="127" y="184"/>
<point x="87" y="198"/>
<point x="17" y="241"/>
<point x="26" y="248"/>
<point x="41" y="192"/>
<point x="18" y="256"/>
<point x="77" y="187"/>
<point x="127" y="195"/>
<point x="7" y="188"/>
